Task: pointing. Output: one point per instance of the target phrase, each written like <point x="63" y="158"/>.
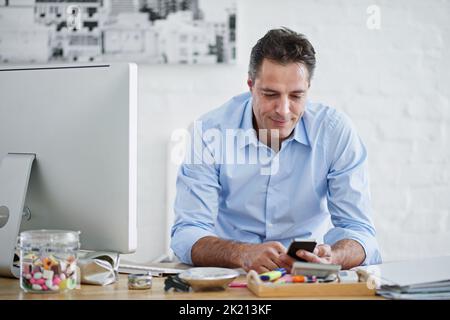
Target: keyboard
<point x="155" y="271"/>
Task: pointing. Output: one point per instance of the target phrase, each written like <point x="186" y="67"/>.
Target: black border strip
<point x="53" y="68"/>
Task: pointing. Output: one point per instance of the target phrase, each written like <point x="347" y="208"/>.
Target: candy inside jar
<point x="48" y="260"/>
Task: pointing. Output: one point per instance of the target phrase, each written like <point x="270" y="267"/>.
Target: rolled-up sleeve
<point x="348" y="190"/>
<point x="196" y="202"/>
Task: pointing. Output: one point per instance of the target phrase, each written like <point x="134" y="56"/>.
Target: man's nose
<point x="283" y="106"/>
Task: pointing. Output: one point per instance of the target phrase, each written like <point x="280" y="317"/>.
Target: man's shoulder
<point x="321" y="119"/>
<point x="227" y="116"/>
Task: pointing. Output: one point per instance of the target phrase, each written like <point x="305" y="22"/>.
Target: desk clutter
<point x="51" y="262"/>
<point x="308" y="280"/>
<point x="307" y="286"/>
<point x="307" y="272"/>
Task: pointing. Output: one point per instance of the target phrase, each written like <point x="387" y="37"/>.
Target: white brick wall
<point x="393" y="83"/>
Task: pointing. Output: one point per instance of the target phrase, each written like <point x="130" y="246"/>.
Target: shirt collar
<point x="300" y="135"/>
<point x="247" y="134"/>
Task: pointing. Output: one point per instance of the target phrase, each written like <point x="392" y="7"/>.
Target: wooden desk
<point x="10" y="290"/>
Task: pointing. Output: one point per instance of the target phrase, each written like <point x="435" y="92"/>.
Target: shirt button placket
<point x="271" y="202"/>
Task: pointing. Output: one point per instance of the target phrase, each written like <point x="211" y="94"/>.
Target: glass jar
<point x="48" y="260"/>
<point x="140" y="281"/>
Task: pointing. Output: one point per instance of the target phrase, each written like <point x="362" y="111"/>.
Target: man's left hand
<point x="346" y="252"/>
<point x="321" y="254"/>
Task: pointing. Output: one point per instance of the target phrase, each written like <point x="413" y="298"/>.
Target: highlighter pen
<point x="298" y="279"/>
<point x="287" y="278"/>
<point x="272" y="275"/>
<point x="304" y="279"/>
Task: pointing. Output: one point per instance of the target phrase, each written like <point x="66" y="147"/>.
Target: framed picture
<point x="143" y="31"/>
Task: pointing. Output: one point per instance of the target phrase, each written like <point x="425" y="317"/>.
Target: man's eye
<point x="270" y="94"/>
<point x="297" y="97"/>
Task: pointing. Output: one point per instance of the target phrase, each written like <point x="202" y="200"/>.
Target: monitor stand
<point x="15" y="172"/>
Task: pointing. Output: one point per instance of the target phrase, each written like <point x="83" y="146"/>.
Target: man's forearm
<point x="348" y="253"/>
<point x="213" y="251"/>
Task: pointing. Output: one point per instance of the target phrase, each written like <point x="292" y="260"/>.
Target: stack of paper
<point x="435" y="291"/>
<point x="413" y="279"/>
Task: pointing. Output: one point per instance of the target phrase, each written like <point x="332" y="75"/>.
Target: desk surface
<point x="10" y="290"/>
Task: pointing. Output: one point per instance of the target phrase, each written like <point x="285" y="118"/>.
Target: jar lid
<point x="50" y="238"/>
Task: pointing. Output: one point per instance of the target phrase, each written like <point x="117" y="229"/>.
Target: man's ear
<point x="250" y="84"/>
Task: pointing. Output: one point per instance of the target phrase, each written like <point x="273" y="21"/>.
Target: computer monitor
<point x="79" y="124"/>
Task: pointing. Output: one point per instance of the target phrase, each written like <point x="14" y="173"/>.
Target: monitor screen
<point x="81" y="123"/>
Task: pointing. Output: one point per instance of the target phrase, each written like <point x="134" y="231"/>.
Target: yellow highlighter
<point x="272" y="275"/>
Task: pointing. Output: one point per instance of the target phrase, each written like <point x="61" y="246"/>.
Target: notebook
<point x="155" y="269"/>
<point x="427" y="278"/>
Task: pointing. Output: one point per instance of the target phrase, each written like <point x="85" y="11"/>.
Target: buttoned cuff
<point x="367" y="241"/>
<point x="183" y="240"/>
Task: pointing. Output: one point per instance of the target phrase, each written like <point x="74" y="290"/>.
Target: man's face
<point x="279" y="96"/>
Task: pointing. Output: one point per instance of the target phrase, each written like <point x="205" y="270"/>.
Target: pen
<point x="236" y="284"/>
<point x="300" y="279"/>
<point x="272" y="275"/>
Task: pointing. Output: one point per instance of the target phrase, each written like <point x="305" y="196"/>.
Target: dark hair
<point x="282" y="46"/>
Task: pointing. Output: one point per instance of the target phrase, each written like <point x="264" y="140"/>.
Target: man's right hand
<point x="212" y="251"/>
<point x="264" y="257"/>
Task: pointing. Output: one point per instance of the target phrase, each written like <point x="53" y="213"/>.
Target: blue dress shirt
<point x="317" y="186"/>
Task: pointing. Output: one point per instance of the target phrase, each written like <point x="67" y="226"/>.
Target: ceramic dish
<point x="205" y="278"/>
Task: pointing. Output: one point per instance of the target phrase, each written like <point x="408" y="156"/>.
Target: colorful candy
<point x="36" y="287"/>
<point x="48" y="273"/>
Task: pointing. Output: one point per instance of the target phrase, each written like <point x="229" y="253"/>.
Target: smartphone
<point x="304" y="244"/>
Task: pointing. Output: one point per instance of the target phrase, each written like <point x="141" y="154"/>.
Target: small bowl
<point x="206" y="278"/>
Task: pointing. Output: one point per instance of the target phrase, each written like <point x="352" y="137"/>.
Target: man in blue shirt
<point x="270" y="166"/>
